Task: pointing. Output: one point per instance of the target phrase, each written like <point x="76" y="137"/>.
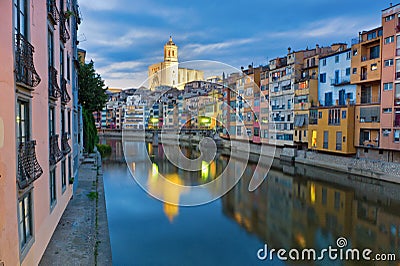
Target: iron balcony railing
<point x="363" y="76"/>
<point x="54" y="89"/>
<point x="64" y="144"/>
<point x="370" y="99"/>
<point x="55" y="152"/>
<point x="340" y="81"/>
<point x="28" y="167"/>
<point x="64" y="35"/>
<point x="24" y="68"/>
<point x="52" y="11"/>
<point x="65" y="98"/>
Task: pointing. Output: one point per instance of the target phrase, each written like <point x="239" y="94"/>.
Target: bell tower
<point x="170" y="51"/>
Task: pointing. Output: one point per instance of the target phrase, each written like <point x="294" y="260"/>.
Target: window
<point x="63" y="175"/>
<point x="387" y="110"/>
<point x="386" y="132"/>
<point x="313" y="117"/>
<point x="348" y="55"/>
<point x="334" y="117"/>
<point x="326" y="140"/>
<point x="371" y="35"/>
<point x="339" y="140"/>
<point x="239" y="130"/>
<point x="328" y="99"/>
<point x="388" y="18"/>
<point x="336" y="59"/>
<point x="21" y="17"/>
<point x="344" y="114"/>
<point x="52" y="126"/>
<point x="61" y="64"/>
<point x="355" y="52"/>
<point x="324" y="62"/>
<point x="374" y="67"/>
<point x="348" y="71"/>
<point x="397" y="135"/>
<point x="25" y="219"/>
<point x="256" y="132"/>
<point x="69" y="122"/>
<point x="23" y="121"/>
<point x="354" y="70"/>
<point x="388" y="62"/>
<point x="322" y="78"/>
<point x="388" y="86"/>
<point x="53" y="189"/>
<point x="389" y="39"/>
<point x="374" y="52"/>
<point x="320" y="115"/>
<point x="68" y="68"/>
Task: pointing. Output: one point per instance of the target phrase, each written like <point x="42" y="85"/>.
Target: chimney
<point x="288" y="50"/>
<point x="317" y="49"/>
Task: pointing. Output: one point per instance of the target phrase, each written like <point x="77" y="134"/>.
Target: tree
<point x="92" y="96"/>
<point x="92" y="91"/>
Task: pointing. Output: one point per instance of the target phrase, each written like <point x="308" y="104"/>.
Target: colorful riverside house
<point x="331" y="122"/>
<point x="366" y="74"/>
<point x="251" y="103"/>
<point x="390" y="85"/>
<point x="37" y="130"/>
<point x="284" y="73"/>
<point x="229" y="88"/>
<point x="264" y="105"/>
<point x="306" y="93"/>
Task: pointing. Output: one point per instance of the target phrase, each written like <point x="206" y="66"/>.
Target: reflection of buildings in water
<point x="168" y="189"/>
<point x="293" y="212"/>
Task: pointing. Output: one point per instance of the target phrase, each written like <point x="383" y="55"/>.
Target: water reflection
<point x="296" y="207"/>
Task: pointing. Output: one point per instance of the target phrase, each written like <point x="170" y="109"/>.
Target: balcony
<point x="397" y="75"/>
<point x="55" y="153"/>
<point x="367" y="58"/>
<point x="64" y="35"/>
<point x="397" y="51"/>
<point x="54" y="89"/>
<point x="52" y="11"/>
<point x="65" y="98"/>
<point x="28" y="167"/>
<point x="340" y="81"/>
<point x="64" y="144"/>
<point x="24" y="68"/>
<point x="398" y="28"/>
<point x="368" y="99"/>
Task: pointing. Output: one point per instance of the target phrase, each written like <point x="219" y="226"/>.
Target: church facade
<point x="168" y="72"/>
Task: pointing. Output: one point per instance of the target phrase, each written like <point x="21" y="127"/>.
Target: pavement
<point x="82" y="236"/>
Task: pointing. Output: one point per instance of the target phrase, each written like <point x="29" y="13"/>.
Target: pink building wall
<point x="45" y="220"/>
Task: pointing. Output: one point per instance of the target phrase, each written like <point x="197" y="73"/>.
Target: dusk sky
<point x="124" y="37"/>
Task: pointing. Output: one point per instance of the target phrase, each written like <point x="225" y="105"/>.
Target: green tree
<point x="92" y="96"/>
<point x="92" y="91"/>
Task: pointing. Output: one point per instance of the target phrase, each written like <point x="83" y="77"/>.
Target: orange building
<point x="366" y="64"/>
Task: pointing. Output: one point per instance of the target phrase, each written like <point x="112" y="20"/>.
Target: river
<point x="296" y="207"/>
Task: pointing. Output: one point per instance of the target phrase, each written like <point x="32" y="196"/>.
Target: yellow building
<point x="168" y="73"/>
<point x="332" y="129"/>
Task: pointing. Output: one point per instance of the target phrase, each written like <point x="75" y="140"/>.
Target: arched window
<point x="173" y="53"/>
<point x="169" y="53"/>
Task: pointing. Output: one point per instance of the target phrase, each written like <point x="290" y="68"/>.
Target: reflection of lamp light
<point x="312" y="193"/>
<point x="154" y="170"/>
<point x="153" y="120"/>
<point x="204" y="169"/>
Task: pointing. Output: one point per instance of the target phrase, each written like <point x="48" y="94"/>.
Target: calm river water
<point x="294" y="208"/>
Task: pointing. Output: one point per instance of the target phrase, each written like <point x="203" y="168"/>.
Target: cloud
<point x="337" y="27"/>
<point x="196" y="49"/>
